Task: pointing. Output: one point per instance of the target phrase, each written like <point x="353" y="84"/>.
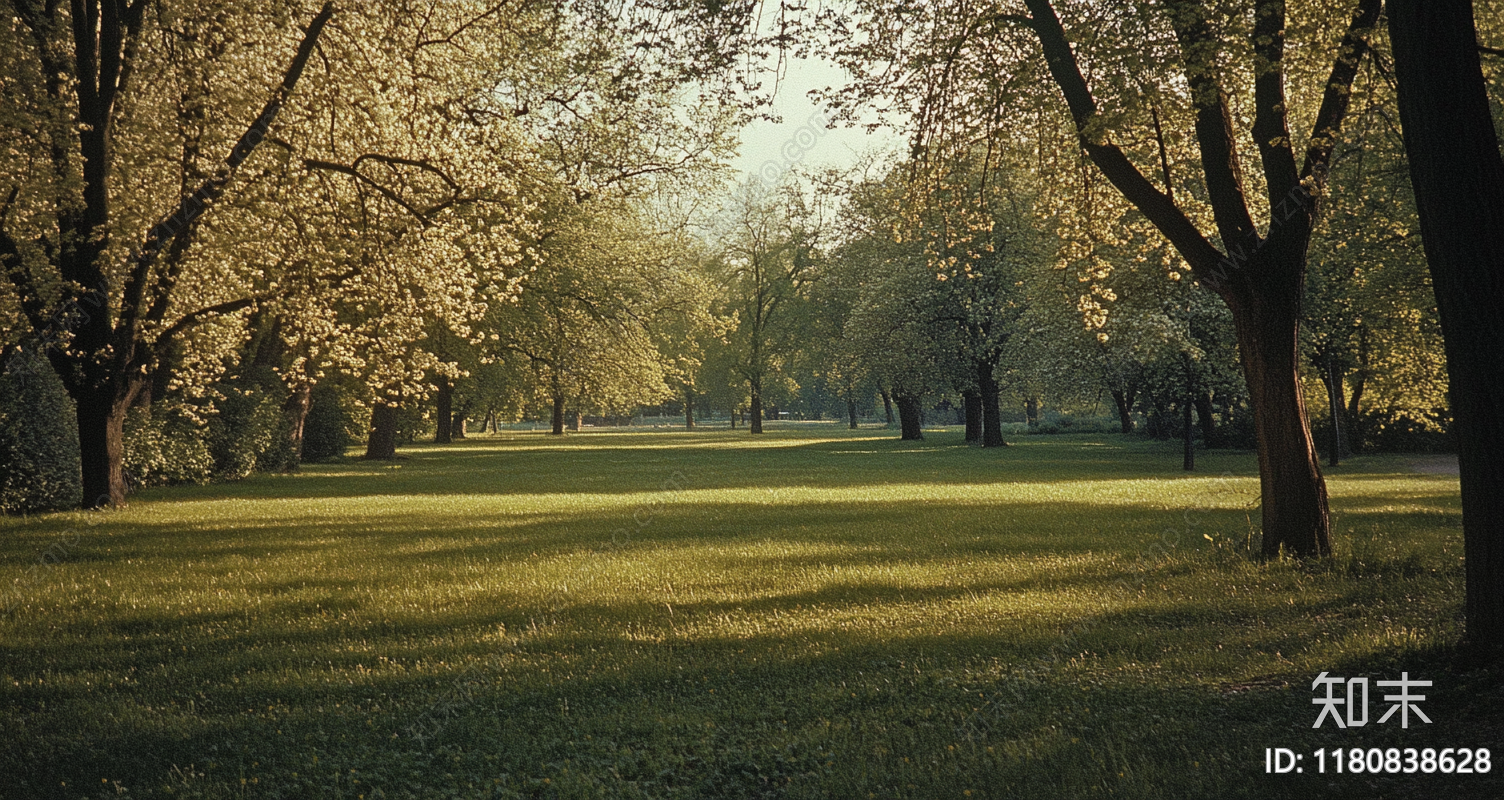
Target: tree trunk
<point x="1356" y="430"/>
<point x="101" y="448"/>
<point x="444" y="415"/>
<point x="1204" y="415"/>
<point x="109" y="356"/>
<point x="734" y="413"/>
<point x="1124" y="402"/>
<point x="756" y="406"/>
<point x="382" y="442"/>
<point x="689" y="409"/>
<point x="909" y="417"/>
<point x="1031" y="411"/>
<point x="558" y="416"/>
<point x="851" y="413"/>
<point x="1188" y="437"/>
<point x="295" y="412"/>
<point x="457" y="426"/>
<point x="992" y="415"/>
<point x="1334" y="404"/>
<point x="887" y="406"/>
<point x="972" y="400"/>
<point x="578" y="422"/>
<point x="1292" y="491"/>
<point x="1458" y="175"/>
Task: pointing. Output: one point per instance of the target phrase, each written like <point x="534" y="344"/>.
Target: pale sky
<point x="802" y="138"/>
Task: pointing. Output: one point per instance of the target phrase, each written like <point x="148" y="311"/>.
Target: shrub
<point x="39" y="466"/>
<point x="163" y="446"/>
<point x="1392" y="431"/>
<point x="250" y="430"/>
<point x="1053" y="423"/>
<point x="327" y="429"/>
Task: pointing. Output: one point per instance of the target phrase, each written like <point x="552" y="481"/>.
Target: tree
<point x="599" y="320"/>
<point x="67" y="242"/>
<point x="1458" y="174"/>
<point x="1167" y="73"/>
<point x="770" y="258"/>
<point x="1260" y="277"/>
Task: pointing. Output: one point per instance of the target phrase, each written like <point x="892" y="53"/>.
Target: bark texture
<point x="972" y="400"/>
<point x="1458" y="175"/>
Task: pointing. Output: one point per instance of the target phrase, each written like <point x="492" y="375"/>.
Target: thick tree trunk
<point x="851" y="413"/>
<point x="1031" y="411"/>
<point x="295" y="412"/>
<point x="558" y="416"/>
<point x="577" y="421"/>
<point x="457" y="426"/>
<point x="382" y="442"/>
<point x="992" y="415"/>
<point x="101" y="448"/>
<point x="1124" y="403"/>
<point x="1458" y="175"/>
<point x="1292" y="491"/>
<point x="910" y="418"/>
<point x="887" y="407"/>
<point x="757" y="406"/>
<point x="689" y="409"/>
<point x="444" y="414"/>
<point x="972" y="402"/>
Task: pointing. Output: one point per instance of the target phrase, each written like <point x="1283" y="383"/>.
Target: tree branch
<point x="1338" y="95"/>
<point x="178" y="224"/>
<point x="193" y="318"/>
<point x="1271" y="130"/>
<point x="1156" y="205"/>
<point x="353" y="170"/>
<point x="1214" y="130"/>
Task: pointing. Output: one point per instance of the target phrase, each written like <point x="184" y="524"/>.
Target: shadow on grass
<point x="1020" y="647"/>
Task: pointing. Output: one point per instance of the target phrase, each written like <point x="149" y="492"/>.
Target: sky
<point x="770" y="149"/>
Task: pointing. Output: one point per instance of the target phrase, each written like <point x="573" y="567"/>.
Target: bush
<point x="164" y="446"/>
<point x="1237" y="433"/>
<point x="1053" y="423"/>
<point x="39" y="466"/>
<point x="1400" y="432"/>
<point x="250" y="430"/>
<point x="327" y="429"/>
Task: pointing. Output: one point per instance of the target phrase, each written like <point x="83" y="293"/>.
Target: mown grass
<point x="814" y="613"/>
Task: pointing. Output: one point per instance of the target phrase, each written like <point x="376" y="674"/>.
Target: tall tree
<point x="1167" y="73"/>
<point x="1259" y="276"/>
<point x="1458" y="174"/>
<point x="769" y="261"/>
<point x="81" y="65"/>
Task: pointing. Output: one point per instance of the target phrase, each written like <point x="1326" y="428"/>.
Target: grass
<point x="814" y="613"/>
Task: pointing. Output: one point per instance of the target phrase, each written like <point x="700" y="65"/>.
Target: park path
<point x="1435" y="465"/>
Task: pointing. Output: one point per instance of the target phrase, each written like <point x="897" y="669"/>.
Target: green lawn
<point x="813" y="613"/>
